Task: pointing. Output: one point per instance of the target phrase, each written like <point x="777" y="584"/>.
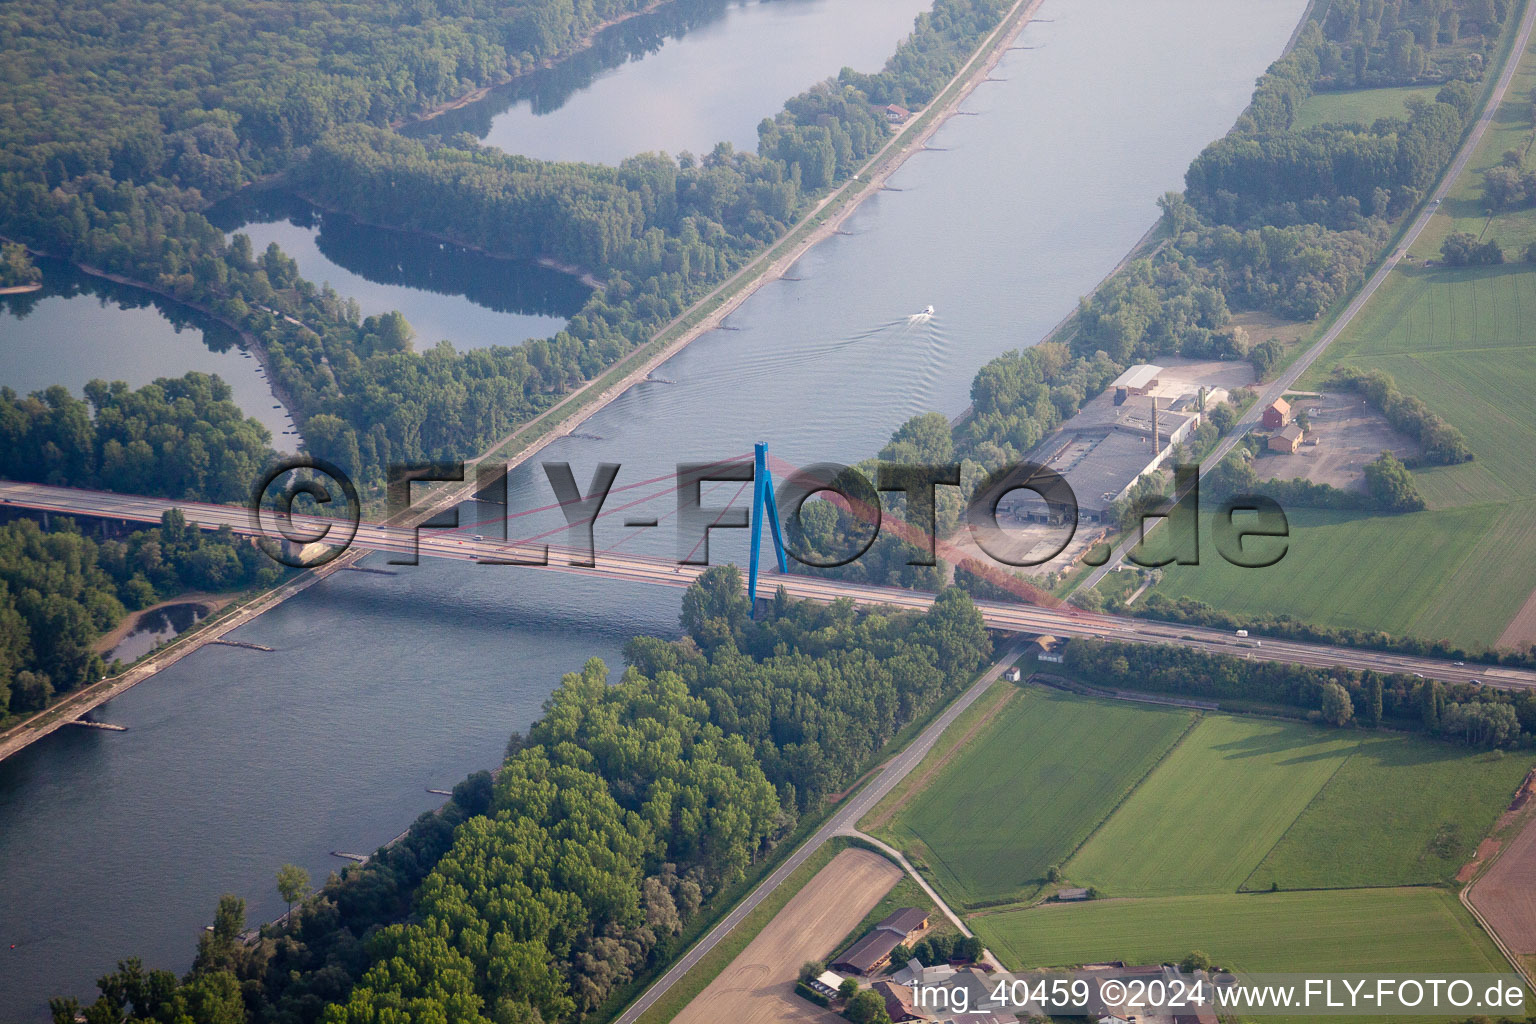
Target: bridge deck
<point x="1015" y="618"/>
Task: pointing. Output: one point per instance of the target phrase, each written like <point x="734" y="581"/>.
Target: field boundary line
<point x="1465" y="897"/>
<point x="1194" y="722"/>
<point x="915" y="784"/>
<point x="1242" y="886"/>
<point x="901" y="861"/>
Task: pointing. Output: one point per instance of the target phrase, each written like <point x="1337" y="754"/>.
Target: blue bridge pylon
<point x="764" y="506"/>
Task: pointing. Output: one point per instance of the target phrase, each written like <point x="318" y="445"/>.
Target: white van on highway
<point x="1242" y="632"/>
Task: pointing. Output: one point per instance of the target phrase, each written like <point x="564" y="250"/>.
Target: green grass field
<point x="1460" y="573"/>
<point x="1027" y="790"/>
<point x="1341" y="930"/>
<point x="1458" y="339"/>
<point x="1206" y="818"/>
<point x="1361" y="106"/>
<point x="1402" y="810"/>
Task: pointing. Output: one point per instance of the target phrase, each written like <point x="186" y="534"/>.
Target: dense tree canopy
<point x="60" y="591"/>
<point x="178" y="437"/>
<point x="1481" y="716"/>
<point x="622" y="811"/>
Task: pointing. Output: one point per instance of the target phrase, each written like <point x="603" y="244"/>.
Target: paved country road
<point x="844" y="822"/>
<point x="1284" y="382"/>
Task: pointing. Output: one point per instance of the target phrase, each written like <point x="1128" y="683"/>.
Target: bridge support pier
<point x="764" y="505"/>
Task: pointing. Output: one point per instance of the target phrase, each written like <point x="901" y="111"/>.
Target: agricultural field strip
<point x="1394" y="930"/>
<point x="1048" y="794"/>
<point x="1379" y="820"/>
<point x="1240" y="815"/>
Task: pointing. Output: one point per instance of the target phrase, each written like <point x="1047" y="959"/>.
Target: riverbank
<point x="565" y="416"/>
<point x="586" y="42"/>
<point x="214" y="603"/>
<point x="709" y="312"/>
<point x="236" y="614"/>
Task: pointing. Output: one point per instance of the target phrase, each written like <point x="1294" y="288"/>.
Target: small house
<point x="1277" y="414"/>
<point x="1013" y="675"/>
<point x="896" y="114"/>
<point x="1047" y="649"/>
<point x="898" y="1002"/>
<point x="1286" y="441"/>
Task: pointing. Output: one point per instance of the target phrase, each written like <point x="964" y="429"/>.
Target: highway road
<point x="1019" y="618"/>
<point x="1293" y="373"/>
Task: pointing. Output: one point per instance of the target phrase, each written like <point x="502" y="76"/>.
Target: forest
<point x="1461" y="713"/>
<point x="612" y="823"/>
<point x="178" y="437"/>
<point x="93" y="93"/>
<point x="61" y="590"/>
<point x="16" y="267"/>
<point x="131" y="162"/>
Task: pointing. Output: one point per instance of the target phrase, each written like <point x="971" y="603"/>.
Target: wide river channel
<point x="380" y="687"/>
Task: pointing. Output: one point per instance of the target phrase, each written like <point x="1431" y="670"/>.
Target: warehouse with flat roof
<point x="1108" y="446"/>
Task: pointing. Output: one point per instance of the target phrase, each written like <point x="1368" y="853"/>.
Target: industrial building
<point x="1115" y="440"/>
<point x="1136" y="381"/>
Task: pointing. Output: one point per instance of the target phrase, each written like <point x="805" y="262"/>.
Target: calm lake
<point x="80" y="328"/>
<point x="155" y="627"/>
<point x="685" y="77"/>
<point x="444" y="290"/>
<point x="379" y="687"/>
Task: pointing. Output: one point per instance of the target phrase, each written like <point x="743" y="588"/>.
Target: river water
<point x="382" y="686"/>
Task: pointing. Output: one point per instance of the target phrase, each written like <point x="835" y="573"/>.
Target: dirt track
<point x="1506" y="895"/>
<point x="758" y="986"/>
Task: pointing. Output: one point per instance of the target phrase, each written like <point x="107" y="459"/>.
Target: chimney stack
<point x="1157" y="437"/>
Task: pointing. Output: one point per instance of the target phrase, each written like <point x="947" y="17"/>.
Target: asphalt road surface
<point x="1019" y="618"/>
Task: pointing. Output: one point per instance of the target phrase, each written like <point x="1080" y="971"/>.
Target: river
<point x="379" y="687"/>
